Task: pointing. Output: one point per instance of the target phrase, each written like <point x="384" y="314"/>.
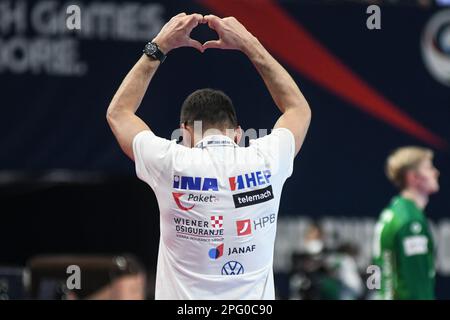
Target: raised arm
<point x="287" y="96"/>
<point x="121" y="112"/>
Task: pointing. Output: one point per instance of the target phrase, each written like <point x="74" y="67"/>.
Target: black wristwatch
<point x="152" y="50"/>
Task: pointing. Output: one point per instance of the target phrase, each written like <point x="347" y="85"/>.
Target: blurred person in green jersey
<point x="403" y="243"/>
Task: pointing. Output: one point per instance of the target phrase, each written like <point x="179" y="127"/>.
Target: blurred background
<point x="69" y="196"/>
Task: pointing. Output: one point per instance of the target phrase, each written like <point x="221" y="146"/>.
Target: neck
<point x="208" y="133"/>
<point x="419" y="198"/>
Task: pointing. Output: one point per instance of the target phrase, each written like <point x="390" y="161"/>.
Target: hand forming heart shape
<point x="176" y="33"/>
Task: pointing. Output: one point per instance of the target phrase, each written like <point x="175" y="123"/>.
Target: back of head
<point x="402" y="160"/>
<point x="212" y="107"/>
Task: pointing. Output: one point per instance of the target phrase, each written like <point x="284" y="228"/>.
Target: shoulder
<point x="277" y="148"/>
<point x="385" y="224"/>
<point x="278" y="135"/>
<point x="152" y="143"/>
<point x="404" y="212"/>
<point x="391" y="219"/>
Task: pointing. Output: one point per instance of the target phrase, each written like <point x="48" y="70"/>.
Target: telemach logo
<point x="252" y="197"/>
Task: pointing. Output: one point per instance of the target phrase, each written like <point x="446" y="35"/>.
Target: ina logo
<point x="216" y="253"/>
<point x="195" y="183"/>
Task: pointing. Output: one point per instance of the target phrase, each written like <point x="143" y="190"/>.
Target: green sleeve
<point x="384" y="254"/>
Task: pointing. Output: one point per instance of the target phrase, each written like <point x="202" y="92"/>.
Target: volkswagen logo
<point x="232" y="268"/>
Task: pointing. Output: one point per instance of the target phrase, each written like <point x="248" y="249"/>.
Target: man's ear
<point x="238" y="134"/>
<point x="187" y="135"/>
<point x="411" y="178"/>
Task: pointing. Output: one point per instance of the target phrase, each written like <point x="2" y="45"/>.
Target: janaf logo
<point x="241" y="250"/>
<point x="216" y="252"/>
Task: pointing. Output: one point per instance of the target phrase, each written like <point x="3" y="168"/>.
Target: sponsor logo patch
<point x="249" y="180"/>
<point x="232" y="268"/>
<point x="195" y="183"/>
<point x="197" y="230"/>
<point x="264" y="221"/>
<point x="415" y="245"/>
<point x="216" y="253"/>
<point x="252" y="197"/>
<point x="184" y="200"/>
<point x="244" y="227"/>
<point x="416" y="227"/>
<point x="241" y="250"/>
<point x="217" y="222"/>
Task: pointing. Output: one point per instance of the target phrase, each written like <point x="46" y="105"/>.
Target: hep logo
<point x="217" y="222"/>
<point x="253" y="179"/>
<point x="216" y="253"/>
<point x="176" y="197"/>
<point x="243" y="227"/>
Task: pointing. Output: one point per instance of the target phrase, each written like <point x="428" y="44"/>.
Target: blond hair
<point x="402" y="160"/>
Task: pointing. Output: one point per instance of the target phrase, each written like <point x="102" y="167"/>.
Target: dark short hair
<point x="213" y="107"/>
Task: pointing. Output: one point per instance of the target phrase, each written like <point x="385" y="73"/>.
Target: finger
<point x="195" y="44"/>
<point x="229" y="18"/>
<point x="180" y="15"/>
<point x="197" y="17"/>
<point x="212" y="17"/>
<point x="213" y="44"/>
<point x="194" y="20"/>
<point x="213" y="21"/>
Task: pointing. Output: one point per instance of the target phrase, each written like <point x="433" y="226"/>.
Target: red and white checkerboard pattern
<point x="217" y="221"/>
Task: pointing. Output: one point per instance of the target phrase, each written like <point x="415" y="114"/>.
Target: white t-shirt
<point x="218" y="207"/>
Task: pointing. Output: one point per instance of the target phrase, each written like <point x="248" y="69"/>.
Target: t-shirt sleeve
<point x="279" y="147"/>
<point x="152" y="156"/>
<point x="383" y="252"/>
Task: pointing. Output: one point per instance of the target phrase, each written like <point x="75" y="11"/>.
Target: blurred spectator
<point x="127" y="287"/>
<point x="101" y="278"/>
<point x="324" y="273"/>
